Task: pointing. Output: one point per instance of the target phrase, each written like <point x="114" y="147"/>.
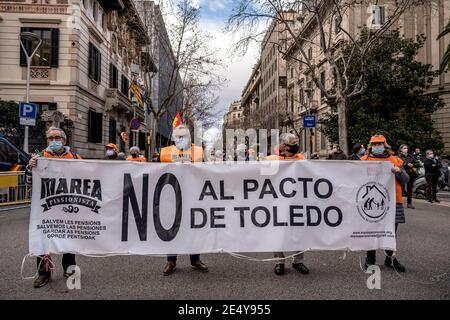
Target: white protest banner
<point x="114" y="207"/>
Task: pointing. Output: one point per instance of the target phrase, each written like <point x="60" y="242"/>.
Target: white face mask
<point x="109" y="153"/>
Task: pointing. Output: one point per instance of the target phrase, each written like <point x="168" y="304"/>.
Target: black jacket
<point x="406" y="161"/>
<point x="340" y="155"/>
<point x="354" y="156"/>
<point x="432" y="167"/>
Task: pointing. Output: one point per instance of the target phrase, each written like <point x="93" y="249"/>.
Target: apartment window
<point x="95" y="11"/>
<point x="283" y="82"/>
<point x="378" y="15"/>
<point x="95" y="127"/>
<point x="113" y="77"/>
<point x="323" y="140"/>
<point x="292" y="73"/>
<point x="112" y="131"/>
<point x="125" y="86"/>
<point x="48" y="53"/>
<point x="95" y="63"/>
<point x="322" y="80"/>
<point x="310" y="53"/>
<point x="292" y="103"/>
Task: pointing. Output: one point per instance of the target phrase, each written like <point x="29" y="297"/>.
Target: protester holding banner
<point x="379" y="150"/>
<point x="56" y="139"/>
<point x="135" y="155"/>
<point x="288" y="150"/>
<point x="111" y="152"/>
<point x="182" y="151"/>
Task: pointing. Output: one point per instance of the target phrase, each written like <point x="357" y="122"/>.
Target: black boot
<point x="394" y="264"/>
<point x="370" y="261"/>
<point x="279" y="269"/>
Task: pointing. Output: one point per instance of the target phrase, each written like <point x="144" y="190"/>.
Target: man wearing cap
<point x="379" y="150"/>
<point x="182" y="152"/>
<point x="56" y="139"/>
<point x="111" y="152"/>
<point x="136" y="155"/>
<point x="289" y="150"/>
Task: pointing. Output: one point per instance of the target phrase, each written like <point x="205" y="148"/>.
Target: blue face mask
<point x="378" y="150"/>
<point x="55" y="145"/>
<point x="362" y="151"/>
<point x="182" y="143"/>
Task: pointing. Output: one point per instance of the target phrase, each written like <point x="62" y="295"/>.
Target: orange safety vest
<point x="397" y="162"/>
<point x="138" y="159"/>
<point x="297" y="156"/>
<point x="67" y="155"/>
<point x="172" y="154"/>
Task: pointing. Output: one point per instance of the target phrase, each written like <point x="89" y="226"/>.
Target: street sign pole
<point x="25" y="143"/>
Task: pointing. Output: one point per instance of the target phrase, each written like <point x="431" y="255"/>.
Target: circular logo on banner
<point x="373" y="201"/>
<point x="135" y="124"/>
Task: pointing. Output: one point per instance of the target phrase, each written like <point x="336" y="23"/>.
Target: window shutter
<point x="381" y="15"/>
<point x="99" y="66"/>
<point x="111" y="75"/>
<point x="23" y="58"/>
<point x="91" y="54"/>
<point x="91" y="125"/>
<point x="99" y="127"/>
<point x="55" y="49"/>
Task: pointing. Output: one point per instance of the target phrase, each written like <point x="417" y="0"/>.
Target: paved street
<point x="424" y="243"/>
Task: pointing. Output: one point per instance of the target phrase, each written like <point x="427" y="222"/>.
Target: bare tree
<point x="319" y="17"/>
<point x="190" y="75"/>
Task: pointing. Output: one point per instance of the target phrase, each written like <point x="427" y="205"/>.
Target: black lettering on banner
<point x="97" y="190"/>
<point x="309" y="221"/>
<point x="241" y="212"/>
<point x="294" y="215"/>
<point x="47" y="187"/>
<point x="268" y="184"/>
<point x="222" y="192"/>
<point x="275" y="219"/>
<point x="75" y="186"/>
<point x="62" y="186"/>
<point x="305" y="185"/>
<point x="167" y="234"/>
<point x="214" y="217"/>
<point x="316" y="189"/>
<point x="86" y="187"/>
<point x="247" y="189"/>
<point x="129" y="195"/>
<point x="205" y="191"/>
<point x="339" y="216"/>
<point x="267" y="219"/>
<point x="283" y="193"/>
<point x="204" y="215"/>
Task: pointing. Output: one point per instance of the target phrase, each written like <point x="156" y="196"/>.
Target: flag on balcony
<point x="176" y="121"/>
<point x="134" y="89"/>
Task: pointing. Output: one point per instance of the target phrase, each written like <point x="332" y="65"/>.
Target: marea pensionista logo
<point x="373" y="202"/>
<point x="71" y="193"/>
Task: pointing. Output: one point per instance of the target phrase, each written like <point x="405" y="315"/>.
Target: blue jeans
<point x="194" y="258"/>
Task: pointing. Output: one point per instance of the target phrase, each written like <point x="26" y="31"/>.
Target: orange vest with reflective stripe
<point x="138" y="159"/>
<point x="172" y="154"/>
<point x="68" y="155"/>
<point x="297" y="156"/>
<point x="397" y="162"/>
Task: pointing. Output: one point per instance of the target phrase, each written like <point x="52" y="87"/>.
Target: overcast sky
<point x="214" y="14"/>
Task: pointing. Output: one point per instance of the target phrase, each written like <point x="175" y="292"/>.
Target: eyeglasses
<point x="54" y="138"/>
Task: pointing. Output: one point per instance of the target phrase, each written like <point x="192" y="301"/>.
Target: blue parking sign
<point x="27" y="113"/>
<point x="309" y="121"/>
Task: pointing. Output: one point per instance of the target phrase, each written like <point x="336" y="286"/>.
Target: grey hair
<point x="61" y="132"/>
<point x="288" y="138"/>
<point x="135" y="150"/>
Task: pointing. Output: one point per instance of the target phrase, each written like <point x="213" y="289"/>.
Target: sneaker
<point x="170" y="267"/>
<point x="300" y="267"/>
<point x="200" y="266"/>
<point x="410" y="206"/>
<point x="279" y="269"/>
<point x="436" y="200"/>
<point x="41" y="280"/>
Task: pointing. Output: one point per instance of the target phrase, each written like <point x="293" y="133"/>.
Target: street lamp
<point x="313" y="106"/>
<point x="29" y="36"/>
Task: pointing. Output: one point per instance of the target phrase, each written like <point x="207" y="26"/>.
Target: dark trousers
<point x="409" y="190"/>
<point x="194" y="258"/>
<point x="431" y="188"/>
<point x="372" y="254"/>
<point x="68" y="259"/>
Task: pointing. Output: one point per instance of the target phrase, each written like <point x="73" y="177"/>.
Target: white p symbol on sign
<point x="27" y="109"/>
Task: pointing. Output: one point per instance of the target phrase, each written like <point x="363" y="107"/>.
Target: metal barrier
<point x="13" y="189"/>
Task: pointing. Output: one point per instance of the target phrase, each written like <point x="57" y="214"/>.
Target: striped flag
<point x="134" y="89"/>
<point x="176" y="121"/>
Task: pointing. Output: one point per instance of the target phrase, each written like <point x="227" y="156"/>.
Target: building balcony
<point x="56" y="7"/>
<point x="112" y="5"/>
